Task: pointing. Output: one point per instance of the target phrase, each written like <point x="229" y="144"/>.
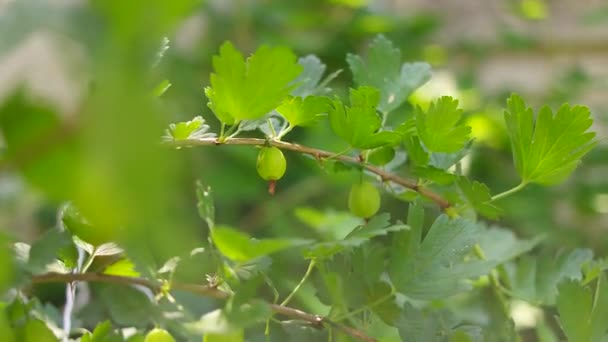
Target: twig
<point x="311" y="266"/>
<point x="204" y="290"/>
<point x="385" y="176"/>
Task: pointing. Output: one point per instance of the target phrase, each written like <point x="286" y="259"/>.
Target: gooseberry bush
<point x="441" y="270"/>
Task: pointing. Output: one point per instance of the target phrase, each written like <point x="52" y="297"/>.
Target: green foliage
<point x="547" y="149"/>
<point x="303" y="112"/>
<point x="240" y="247"/>
<point x="478" y="195"/>
<point x="122" y="207"/>
<point x="193" y="129"/>
<point x="583" y="310"/>
<point x="439" y="128"/>
<point x="250" y="89"/>
<point x="384" y="71"/>
<point x="358" y="124"/>
<point x="535" y="279"/>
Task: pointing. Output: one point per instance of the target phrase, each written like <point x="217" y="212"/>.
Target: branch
<point x="204" y="290"/>
<point x="319" y="154"/>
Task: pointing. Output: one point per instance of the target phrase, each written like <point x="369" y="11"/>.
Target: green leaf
<point x="415" y="151"/>
<point x="235" y="336"/>
<point x="384" y="70"/>
<point x="127" y="306"/>
<point x="250" y="89"/>
<point x="594" y="269"/>
<point x="436" y="267"/>
<point x="310" y="81"/>
<point x="535" y="279"/>
<point x="39" y="145"/>
<point x="500" y="245"/>
<point x="238" y="246"/>
<point x="582" y="312"/>
<point x="161" y="88"/>
<point x="359" y="124"/>
<point x="478" y="196"/>
<point x="103" y="333"/>
<point x="438" y="127"/>
<point x="219" y="322"/>
<point x="419" y="325"/>
<point x="44" y="251"/>
<point x="193" y="129"/>
<point x="381" y="156"/>
<point x="6" y="332"/>
<point x="123" y="267"/>
<point x="434" y="174"/>
<point x="548" y="149"/>
<point x="36" y="330"/>
<point x="7" y="265"/>
<point x="377" y="226"/>
<point x="304" y="112"/>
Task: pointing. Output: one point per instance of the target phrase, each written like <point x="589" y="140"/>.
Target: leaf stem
<point x="366" y="307"/>
<point x="284" y="131"/>
<point x="311" y="266"/>
<point x="509" y="192"/>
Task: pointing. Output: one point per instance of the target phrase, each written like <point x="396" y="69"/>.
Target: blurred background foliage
<point x="89" y="63"/>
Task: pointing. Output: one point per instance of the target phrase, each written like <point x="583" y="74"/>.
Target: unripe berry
<point x="271" y="166"/>
<point x="364" y="200"/>
<point x="159" y="335"/>
<point x="271" y="163"/>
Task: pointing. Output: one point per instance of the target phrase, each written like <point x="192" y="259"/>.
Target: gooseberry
<point x="364" y="200"/>
<point x="271" y="165"/>
<point x="159" y="335"/>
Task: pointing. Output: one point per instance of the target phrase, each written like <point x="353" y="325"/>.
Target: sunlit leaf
<point x="238" y="246"/>
<point x="250" y="89"/>
<point x="546" y="150"/>
<point x="439" y="127"/>
<point x="359" y="124"/>
<point x="193" y="129"/>
<point x="304" y="112"/>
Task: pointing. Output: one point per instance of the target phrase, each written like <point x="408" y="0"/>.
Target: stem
<point x="338" y="154"/>
<point x="203" y="290"/>
<point x="222" y="128"/>
<point x="509" y="192"/>
<point x="311" y="266"/>
<point x="365" y="308"/>
<point x="274" y="134"/>
<point x="284" y="131"/>
<point x="317" y="153"/>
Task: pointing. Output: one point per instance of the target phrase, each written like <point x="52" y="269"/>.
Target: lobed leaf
<point x="439" y="127"/>
<point x="311" y="81"/>
<point x="548" y="149"/>
<point x="441" y="264"/>
<point x="536" y="279"/>
<point x="384" y="71"/>
<point x="478" y="196"/>
<point x="193" y="129"/>
<point x="359" y="124"/>
<point x="250" y="89"/>
<point x="304" y="112"/>
<point x="582" y="312"/>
